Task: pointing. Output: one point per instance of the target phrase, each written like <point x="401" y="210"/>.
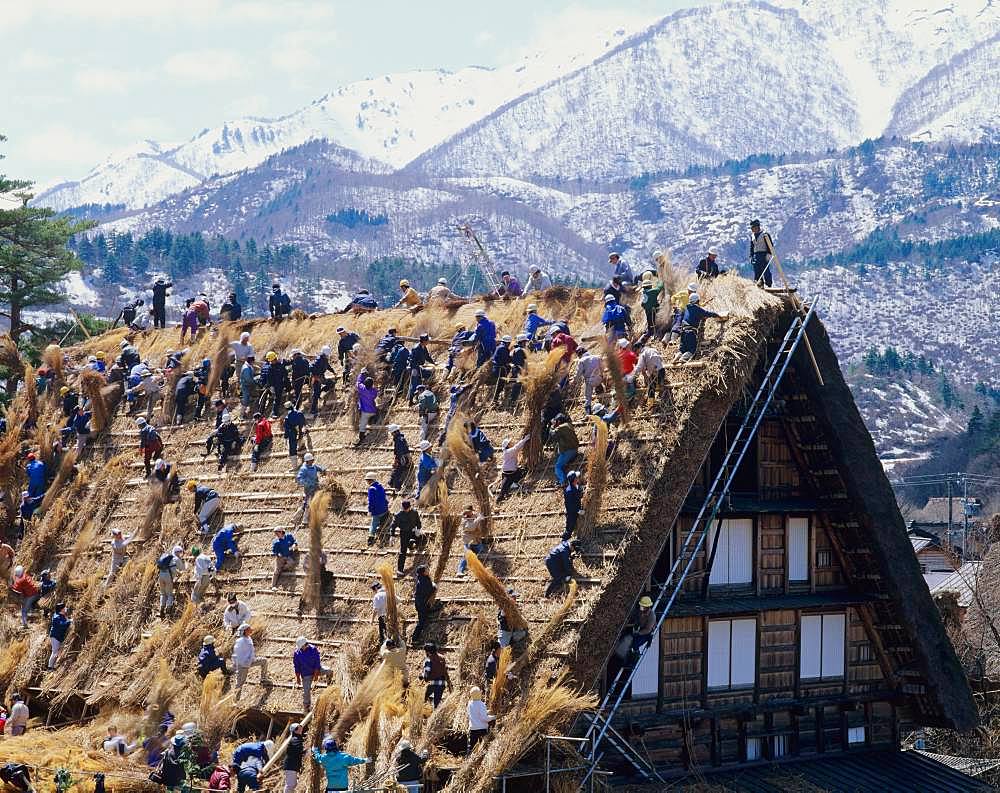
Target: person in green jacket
<point x="652" y="287"/>
<point x="336" y="763"/>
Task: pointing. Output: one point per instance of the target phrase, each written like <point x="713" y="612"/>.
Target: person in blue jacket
<point x="58" y="629"/>
<point x="224" y="542"/>
<point x="378" y="505"/>
<point x="425" y="467"/>
<point x="485" y="338"/>
<point x="694" y="315"/>
<point x="532" y="324"/>
<point x="335" y="763"/>
<point x="616" y="318"/>
<point x="293" y="425"/>
<point x="35" y="470"/>
<point x="208" y="659"/>
<point x="559" y="563"/>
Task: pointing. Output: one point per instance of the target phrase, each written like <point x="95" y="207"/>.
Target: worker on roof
<point x="318" y="382"/>
<point x="386" y="344"/>
<point x="507" y="634"/>
<point x="401" y="461"/>
<point x="485" y="337"/>
<point x="58" y="628"/>
<point x="367" y="396"/>
<point x="186" y="387"/>
<point x="294" y="427"/>
<point x="480" y="443"/>
<point x="248" y="384"/>
<point x="407" y="523"/>
<point x="761" y="252"/>
<point x="460" y="342"/>
<point x="229" y="438"/>
<point x="621" y="269"/>
<point x="533" y="322"/>
<point x="207" y="502"/>
<point x="263" y="436"/>
<point x="244" y="657"/>
<point x="150" y="444"/>
<point x="409" y="296"/>
<point x="307" y="478"/>
<point x="279" y="304"/>
<point x="572" y="502"/>
<point x="559" y="563"/>
<point x="159" y="289"/>
<point x="617" y="319"/>
<point x="274" y="375"/>
<point x="424" y="590"/>
<point x="650" y="365"/>
<point x="248" y="761"/>
<point x="652" y="288"/>
<point x="441" y="292"/>
<point x="427" y="410"/>
<point x="223" y="543"/>
<point x="511" y="473"/>
<point x="299" y="372"/>
<point x="537" y="280"/>
<point x="693" y="317"/>
<point x="378" y="505"/>
<point x="335" y="763"/>
<point x="231" y="310"/>
<point x="421" y="365"/>
<point x="615" y="288"/>
<point x="435" y="675"/>
<point x="169" y="567"/>
<point x="283" y="549"/>
<point x="518" y="365"/>
<point x="35" y="471"/>
<point x="479" y="718"/>
<point x="511" y="286"/>
<point x="379" y="608"/>
<point x="209" y="660"/>
<point x="426" y="467"/>
<point x="307" y="664"/>
<point x="362" y="303"/>
<point x="645" y="627"/>
<point x="473" y="528"/>
<point x="189" y="321"/>
<point x="295" y="750"/>
<point x="627" y="357"/>
<point x="567" y="445"/>
<point x="398" y="360"/>
<point x="201" y="574"/>
<point x="708" y="267"/>
<point x="119" y="544"/>
<point x="236" y="613"/>
<point x="491" y="664"/>
<point x="500" y="367"/>
<point x="411" y="766"/>
<point x="346" y="339"/>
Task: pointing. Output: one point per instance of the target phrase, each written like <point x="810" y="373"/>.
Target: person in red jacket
<point x="262" y="437"/>
<point x="25" y="586"/>
<point x="627" y="356"/>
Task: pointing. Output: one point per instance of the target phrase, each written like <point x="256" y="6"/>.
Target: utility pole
<point x="965" y="513"/>
<point x="951" y="540"/>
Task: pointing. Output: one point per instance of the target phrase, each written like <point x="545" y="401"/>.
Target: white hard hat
<point x="505" y="339"/>
<point x="522" y="337"/>
<point x="713" y="252"/>
<point x="505" y="443"/>
<point x="534" y="269"/>
<point x="308" y="457"/>
<point x="208" y="640"/>
<point x="609" y="298"/>
<point x="140" y="422"/>
<point x="403" y="745"/>
<point x="244" y="627"/>
<point x="394" y="428"/>
<point x="326" y="350"/>
<point x="269" y="746"/>
<point x="18" y="571"/>
<point x="443" y="281"/>
<point x="301" y="642"/>
<point x="694" y="297"/>
<point x="178" y="549"/>
<point x="532" y="307"/>
<point x="692" y="287"/>
<point x="116" y="530"/>
<point x="189" y="728"/>
<point x="656" y="254"/>
<point x="244" y="335"/>
<point x="480" y="312"/>
<point x="370" y="476"/>
<point x="623" y="343"/>
<point x="424" y="445"/>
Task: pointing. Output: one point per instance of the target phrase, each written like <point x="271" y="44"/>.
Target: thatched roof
<point x="657" y="456"/>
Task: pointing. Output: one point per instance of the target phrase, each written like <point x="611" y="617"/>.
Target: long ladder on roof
<point x="600" y="729"/>
<point x="483" y="260"/>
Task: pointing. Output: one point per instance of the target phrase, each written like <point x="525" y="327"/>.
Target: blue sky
<point x="85" y="78"/>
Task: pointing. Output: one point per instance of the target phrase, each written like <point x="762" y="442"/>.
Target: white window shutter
<point x="718" y="654"/>
<point x="753" y="749"/>
<point x="810" y="646"/>
<point x="740" y="551"/>
<point x="646" y="681"/>
<point x="833" y="645"/>
<point x="798" y="549"/>
<point x="720" y="565"/>
<point x="856" y="735"/>
<point x="744" y="652"/>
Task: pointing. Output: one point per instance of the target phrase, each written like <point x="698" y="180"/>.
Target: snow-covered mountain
<point x="699" y="86"/>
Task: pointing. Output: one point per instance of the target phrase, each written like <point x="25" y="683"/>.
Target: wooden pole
<point x="280" y="751"/>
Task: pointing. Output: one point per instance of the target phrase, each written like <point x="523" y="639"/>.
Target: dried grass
<point x="52" y="357"/>
<point x="672" y="278"/>
<point x="329" y="702"/>
<point x="539" y="380"/>
<point x="475" y="645"/>
<point x="30" y="395"/>
<point x="385" y="573"/>
<point x="541" y="642"/>
<point x="11" y="472"/>
<point x="9" y="660"/>
<point x="92" y="387"/>
<point x="597" y="480"/>
<point x="62" y="476"/>
<point x="441" y="720"/>
<point x="548" y="707"/>
<point x="497" y="591"/>
<point x="499" y="685"/>
<point x="220" y="359"/>
<point x="614" y="366"/>
<point x="375" y="682"/>
<point x="216" y="713"/>
<point x="10" y="356"/>
<point x="448" y="532"/>
<point x="319" y="508"/>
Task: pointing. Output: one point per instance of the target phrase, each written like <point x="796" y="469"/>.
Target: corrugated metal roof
<point x="919" y="543"/>
<point x="853" y="772"/>
<point x="973" y="766"/>
<point x="960" y="582"/>
<point x="737" y="604"/>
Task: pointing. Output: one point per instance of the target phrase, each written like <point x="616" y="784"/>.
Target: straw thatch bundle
<point x="544" y="638"/>
<point x="539" y="380"/>
<point x="11" y="472"/>
<point x="672" y="278"/>
<point x="30" y="395"/>
<point x="216" y="713"/>
<point x="45" y="436"/>
<point x="414" y="717"/>
<point x="319" y="508"/>
<point x="448" y="532"/>
<point x="475" y="642"/>
<point x="329" y="702"/>
<point x="155" y="501"/>
<point x="9" y="661"/>
<point x="440" y="722"/>
<point x="384" y="571"/>
<point x="10" y="357"/>
<point x="597" y="479"/>
<point x="52" y="357"/>
<point x="497" y="591"/>
<point x="614" y="366"/>
<point x="460" y="450"/>
<point x="499" y="685"/>
<point x="220" y="359"/>
<point x="92" y="386"/>
<point x="548" y="707"/>
<point x="436" y="487"/>
<point x="375" y="682"/>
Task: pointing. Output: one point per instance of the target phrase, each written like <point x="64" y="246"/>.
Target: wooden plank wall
<point x="777" y="475"/>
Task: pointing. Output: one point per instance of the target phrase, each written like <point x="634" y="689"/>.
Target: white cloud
<point x="63" y="145"/>
<point x="104" y="80"/>
<point x="205" y="66"/>
<point x="32" y="60"/>
<point x="576" y="23"/>
<point x="300" y="51"/>
<point x="147" y="127"/>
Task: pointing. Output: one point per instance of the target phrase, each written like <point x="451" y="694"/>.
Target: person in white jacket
<point x="510" y="471"/>
<point x="236" y="613"/>
<point x="244" y="656"/>
<point x="202" y="574"/>
<point x="537" y="280"/>
<point x="479" y="718"/>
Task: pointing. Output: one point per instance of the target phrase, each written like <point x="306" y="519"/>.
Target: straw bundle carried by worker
<point x="461" y="451"/>
<point x="539" y="380"/>
<point x="541" y="642"/>
<point x="596" y="481"/>
<point x="614" y="366"/>
<point x="375" y="682"/>
<point x="447" y="533"/>
<point x="216" y="713"/>
<point x="475" y="643"/>
<point x="498" y="592"/>
<point x="52" y="357"/>
<point x="220" y="359"/>
<point x="385" y="573"/>
<point x="329" y="703"/>
<point x="30" y="395"/>
<point x="91" y="386"/>
<point x="10" y="357"/>
<point x="319" y="508"/>
<point x="499" y="685"/>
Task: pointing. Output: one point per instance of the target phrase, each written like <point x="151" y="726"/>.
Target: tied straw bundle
<point x="220" y="360"/>
<point x="319" y="508"/>
<point x="459" y="448"/>
<point x="540" y="642"/>
<point x="391" y="605"/>
<point x="52" y="357"/>
<point x="614" y="366"/>
<point x="374" y="684"/>
<point x="498" y="592"/>
<point x="449" y="531"/>
<point x="91" y="386"/>
<point x="539" y="380"/>
<point x="329" y="702"/>
<point x="30" y="395"/>
<point x="597" y="479"/>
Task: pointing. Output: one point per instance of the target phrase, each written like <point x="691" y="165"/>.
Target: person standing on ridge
<point x="160" y="288"/>
<point x="761" y="251"/>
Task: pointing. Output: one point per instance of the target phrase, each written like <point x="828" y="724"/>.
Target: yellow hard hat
<point x="646" y="602"/>
<point x="272" y="356"/>
<point x="191" y="484"/>
<point x="404" y="284"/>
<point x="100" y="356"/>
<point x="64" y="390"/>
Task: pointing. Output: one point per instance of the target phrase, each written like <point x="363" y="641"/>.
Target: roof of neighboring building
<point x="738" y="604"/>
<point x="961" y="582"/>
<point x="854" y="772"/>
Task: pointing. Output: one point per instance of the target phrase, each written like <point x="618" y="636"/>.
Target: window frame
<point x="823" y="677"/>
<point x="730" y="686"/>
